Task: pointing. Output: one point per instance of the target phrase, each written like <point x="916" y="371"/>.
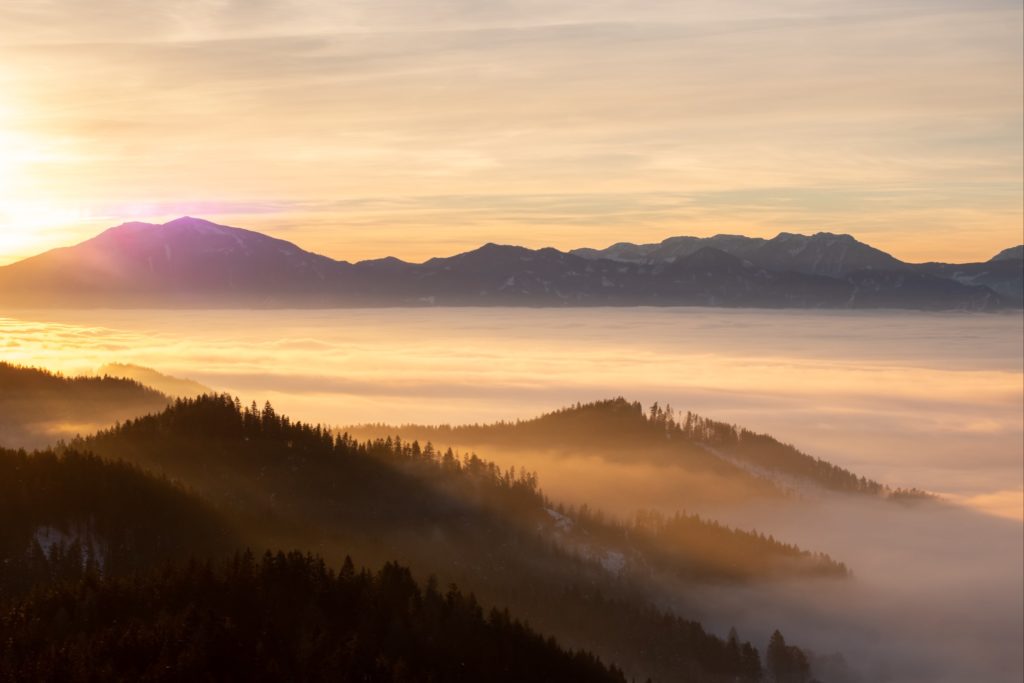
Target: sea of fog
<point x="929" y="400"/>
<point x="932" y="400"/>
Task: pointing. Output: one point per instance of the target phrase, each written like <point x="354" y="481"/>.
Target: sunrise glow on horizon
<point x="367" y="130"/>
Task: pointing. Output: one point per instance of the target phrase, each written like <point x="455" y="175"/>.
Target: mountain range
<point x="190" y="262"/>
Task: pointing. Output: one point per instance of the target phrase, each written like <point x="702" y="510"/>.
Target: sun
<point x="12" y="237"/>
<point x="15" y="241"/>
<point x="26" y="220"/>
<point x="8" y="161"/>
<point x="26" y="214"/>
<point x="28" y="227"/>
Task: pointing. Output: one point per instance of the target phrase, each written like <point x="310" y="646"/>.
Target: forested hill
<point x="38" y="407"/>
<point x="622" y="430"/>
<point x="96" y="576"/>
<point x="243" y="456"/>
<point x="62" y="516"/>
<point x="96" y="579"/>
<point x="286" y="618"/>
<point x="569" y="572"/>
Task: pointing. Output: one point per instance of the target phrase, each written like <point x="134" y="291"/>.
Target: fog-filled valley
<point x="851" y="479"/>
<point x="922" y="567"/>
<point x="899" y="397"/>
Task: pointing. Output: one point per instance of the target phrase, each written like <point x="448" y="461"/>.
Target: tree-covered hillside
<point x="256" y="463"/>
<point x="463" y="519"/>
<point x="621" y="430"/>
<point x="62" y="516"/>
<point x="285" y="618"/>
<point x="37" y="407"/>
<point x="98" y="577"/>
<point x="206" y="476"/>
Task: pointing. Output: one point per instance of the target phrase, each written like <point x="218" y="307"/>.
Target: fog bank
<point x="911" y="399"/>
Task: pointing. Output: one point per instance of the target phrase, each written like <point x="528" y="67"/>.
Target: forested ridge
<point x="64" y="516"/>
<point x="206" y="477"/>
<point x="39" y="407"/>
<point x="460" y="518"/>
<point x="287" y="617"/>
<point x="313" y="478"/>
<point x="623" y="430"/>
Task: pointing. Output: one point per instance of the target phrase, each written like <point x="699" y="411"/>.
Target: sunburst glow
<point x="585" y="125"/>
<point x="29" y="226"/>
<point x="29" y="213"/>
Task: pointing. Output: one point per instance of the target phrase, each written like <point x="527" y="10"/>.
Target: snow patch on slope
<point x="49" y="538"/>
<point x="562" y="522"/>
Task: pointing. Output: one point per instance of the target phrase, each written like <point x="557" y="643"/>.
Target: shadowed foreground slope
<point x="287" y="617"/>
<point x="62" y="516"/>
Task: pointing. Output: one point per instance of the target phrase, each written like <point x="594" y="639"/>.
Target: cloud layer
<point x="910" y="399"/>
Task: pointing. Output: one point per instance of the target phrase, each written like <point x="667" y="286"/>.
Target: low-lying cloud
<point x="911" y="399"/>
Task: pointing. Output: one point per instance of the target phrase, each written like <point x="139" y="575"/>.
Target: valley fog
<point x="936" y="593"/>
<point x="911" y="399"/>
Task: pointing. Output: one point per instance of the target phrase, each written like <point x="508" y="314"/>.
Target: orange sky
<point x="415" y="129"/>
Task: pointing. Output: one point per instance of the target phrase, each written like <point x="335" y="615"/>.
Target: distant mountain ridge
<point x="184" y="260"/>
<point x="820" y="254"/>
<point x="1012" y="254"/>
<point x="190" y="262"/>
<point x="835" y="256"/>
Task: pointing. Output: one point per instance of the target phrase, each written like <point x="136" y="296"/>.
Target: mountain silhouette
<point x="187" y="260"/>
<point x="820" y="254"/>
<point x="190" y="262"/>
<point x="1012" y="254"/>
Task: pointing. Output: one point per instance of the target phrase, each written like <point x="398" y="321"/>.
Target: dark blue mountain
<point x="191" y="262"/>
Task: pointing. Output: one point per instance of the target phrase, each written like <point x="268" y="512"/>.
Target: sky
<point x="417" y="128"/>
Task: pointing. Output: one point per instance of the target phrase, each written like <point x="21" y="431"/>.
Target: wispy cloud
<point x="895" y="120"/>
